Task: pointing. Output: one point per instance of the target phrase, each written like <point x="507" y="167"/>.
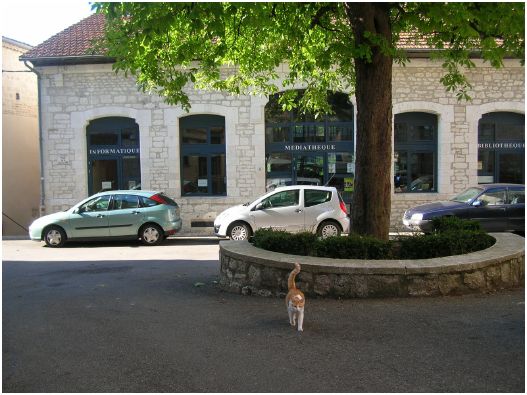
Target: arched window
<point x="203" y="166"/>
<point x="415" y="151"/>
<point x="113" y="154"/>
<point x="501" y="148"/>
<point x="304" y="150"/>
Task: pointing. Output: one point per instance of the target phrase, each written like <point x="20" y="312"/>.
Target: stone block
<point x="426" y="285"/>
<point x="265" y="293"/>
<point x="493" y="276"/>
<point x="384" y="286"/>
<point x="506" y="276"/>
<point x="254" y="276"/>
<point x="450" y="284"/>
<point x="233" y="264"/>
<point x="358" y="286"/>
<point x="322" y="285"/>
<point x="474" y="280"/>
<point x="342" y="285"/>
<point x="249" y="290"/>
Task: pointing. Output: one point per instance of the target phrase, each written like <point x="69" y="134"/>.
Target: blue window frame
<point x="415" y="151"/>
<point x="203" y="161"/>
<point x="501" y="148"/>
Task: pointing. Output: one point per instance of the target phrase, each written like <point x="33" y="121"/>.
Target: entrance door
<point x="113" y="154"/>
<point x="131" y="169"/>
<point x="103" y="175"/>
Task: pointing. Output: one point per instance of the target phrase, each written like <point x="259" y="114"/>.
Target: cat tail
<point x="291" y="281"/>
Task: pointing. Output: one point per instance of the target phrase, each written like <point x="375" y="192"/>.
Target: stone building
<point x="20" y="141"/>
<point x="100" y="132"/>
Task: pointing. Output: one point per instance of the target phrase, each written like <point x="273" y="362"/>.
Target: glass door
<point x="131" y="169"/>
<point x="103" y="175"/>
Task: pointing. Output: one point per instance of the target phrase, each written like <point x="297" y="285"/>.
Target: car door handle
<point x="101" y="216"/>
<point x="135" y="212"/>
<point x="298" y="210"/>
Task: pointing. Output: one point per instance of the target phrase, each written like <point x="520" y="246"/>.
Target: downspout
<point x="42" y="207"/>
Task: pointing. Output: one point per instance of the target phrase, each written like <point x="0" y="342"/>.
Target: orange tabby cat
<point x="295" y="300"/>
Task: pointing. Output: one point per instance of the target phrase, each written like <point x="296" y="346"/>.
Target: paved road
<point x="126" y="318"/>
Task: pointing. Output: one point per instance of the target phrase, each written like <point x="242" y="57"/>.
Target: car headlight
<point x="416" y="217"/>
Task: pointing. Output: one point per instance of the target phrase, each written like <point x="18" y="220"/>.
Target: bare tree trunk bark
<point x="371" y="205"/>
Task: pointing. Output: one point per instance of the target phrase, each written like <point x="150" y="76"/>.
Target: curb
<point x="249" y="270"/>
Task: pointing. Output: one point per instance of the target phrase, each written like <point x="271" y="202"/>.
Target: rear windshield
<point x="169" y="201"/>
<point x="157" y="199"/>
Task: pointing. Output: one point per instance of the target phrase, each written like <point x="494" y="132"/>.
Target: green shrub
<point x="451" y="242"/>
<point x="452" y="237"/>
<point x="353" y="246"/>
<point x="285" y="242"/>
<point x="447" y="224"/>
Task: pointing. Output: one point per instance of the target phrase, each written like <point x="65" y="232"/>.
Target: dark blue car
<point x="497" y="207"/>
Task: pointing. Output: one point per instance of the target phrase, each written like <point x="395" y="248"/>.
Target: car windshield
<point x="467" y="195"/>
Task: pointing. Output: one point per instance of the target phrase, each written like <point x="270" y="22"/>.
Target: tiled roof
<point x="74" y="41"/>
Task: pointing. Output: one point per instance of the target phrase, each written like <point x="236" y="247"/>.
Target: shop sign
<point x="309" y="147"/>
<point x="113" y="151"/>
<point x="501" y="145"/>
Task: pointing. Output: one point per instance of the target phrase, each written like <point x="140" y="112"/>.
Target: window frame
<point x="410" y="147"/>
<point x="206" y="150"/>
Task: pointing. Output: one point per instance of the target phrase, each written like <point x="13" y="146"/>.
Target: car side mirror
<point x="478" y="203"/>
<point x="259" y="206"/>
<point x="79" y="210"/>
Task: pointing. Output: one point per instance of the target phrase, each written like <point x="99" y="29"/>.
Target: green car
<point x="145" y="215"/>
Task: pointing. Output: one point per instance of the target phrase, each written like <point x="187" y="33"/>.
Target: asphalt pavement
<point x="121" y="317"/>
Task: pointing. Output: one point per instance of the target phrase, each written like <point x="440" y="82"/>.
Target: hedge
<point x="451" y="236"/>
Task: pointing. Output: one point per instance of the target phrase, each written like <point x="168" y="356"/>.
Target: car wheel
<point x="328" y="229"/>
<point x="54" y="236"/>
<point x="151" y="234"/>
<point x="239" y="231"/>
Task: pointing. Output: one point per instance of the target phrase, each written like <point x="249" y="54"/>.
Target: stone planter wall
<point x="248" y="270"/>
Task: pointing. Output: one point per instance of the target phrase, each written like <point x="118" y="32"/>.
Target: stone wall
<point x="20" y="142"/>
<point x="251" y="271"/>
<point x="74" y="95"/>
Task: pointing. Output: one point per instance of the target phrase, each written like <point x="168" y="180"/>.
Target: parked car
<point x="134" y="214"/>
<point x="293" y="208"/>
<point x="497" y="207"/>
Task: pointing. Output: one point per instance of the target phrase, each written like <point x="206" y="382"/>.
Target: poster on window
<point x="202" y="183"/>
<point x="350" y="167"/>
<point x="348" y="184"/>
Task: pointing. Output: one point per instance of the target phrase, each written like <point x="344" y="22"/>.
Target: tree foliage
<point x="237" y="47"/>
<point x="265" y="48"/>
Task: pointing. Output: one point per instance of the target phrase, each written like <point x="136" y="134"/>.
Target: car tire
<point x="239" y="231"/>
<point x="54" y="236"/>
<point x="151" y="234"/>
<point x="328" y="229"/>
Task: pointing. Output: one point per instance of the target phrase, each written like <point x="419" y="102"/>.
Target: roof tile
<point x="76" y="40"/>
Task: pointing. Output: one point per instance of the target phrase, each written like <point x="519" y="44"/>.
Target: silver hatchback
<point x="296" y="208"/>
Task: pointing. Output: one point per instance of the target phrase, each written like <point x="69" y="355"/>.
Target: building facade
<point x="100" y="132"/>
<point x="20" y="141"/>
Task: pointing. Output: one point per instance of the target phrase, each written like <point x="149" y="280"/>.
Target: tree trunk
<point x="371" y="205"/>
